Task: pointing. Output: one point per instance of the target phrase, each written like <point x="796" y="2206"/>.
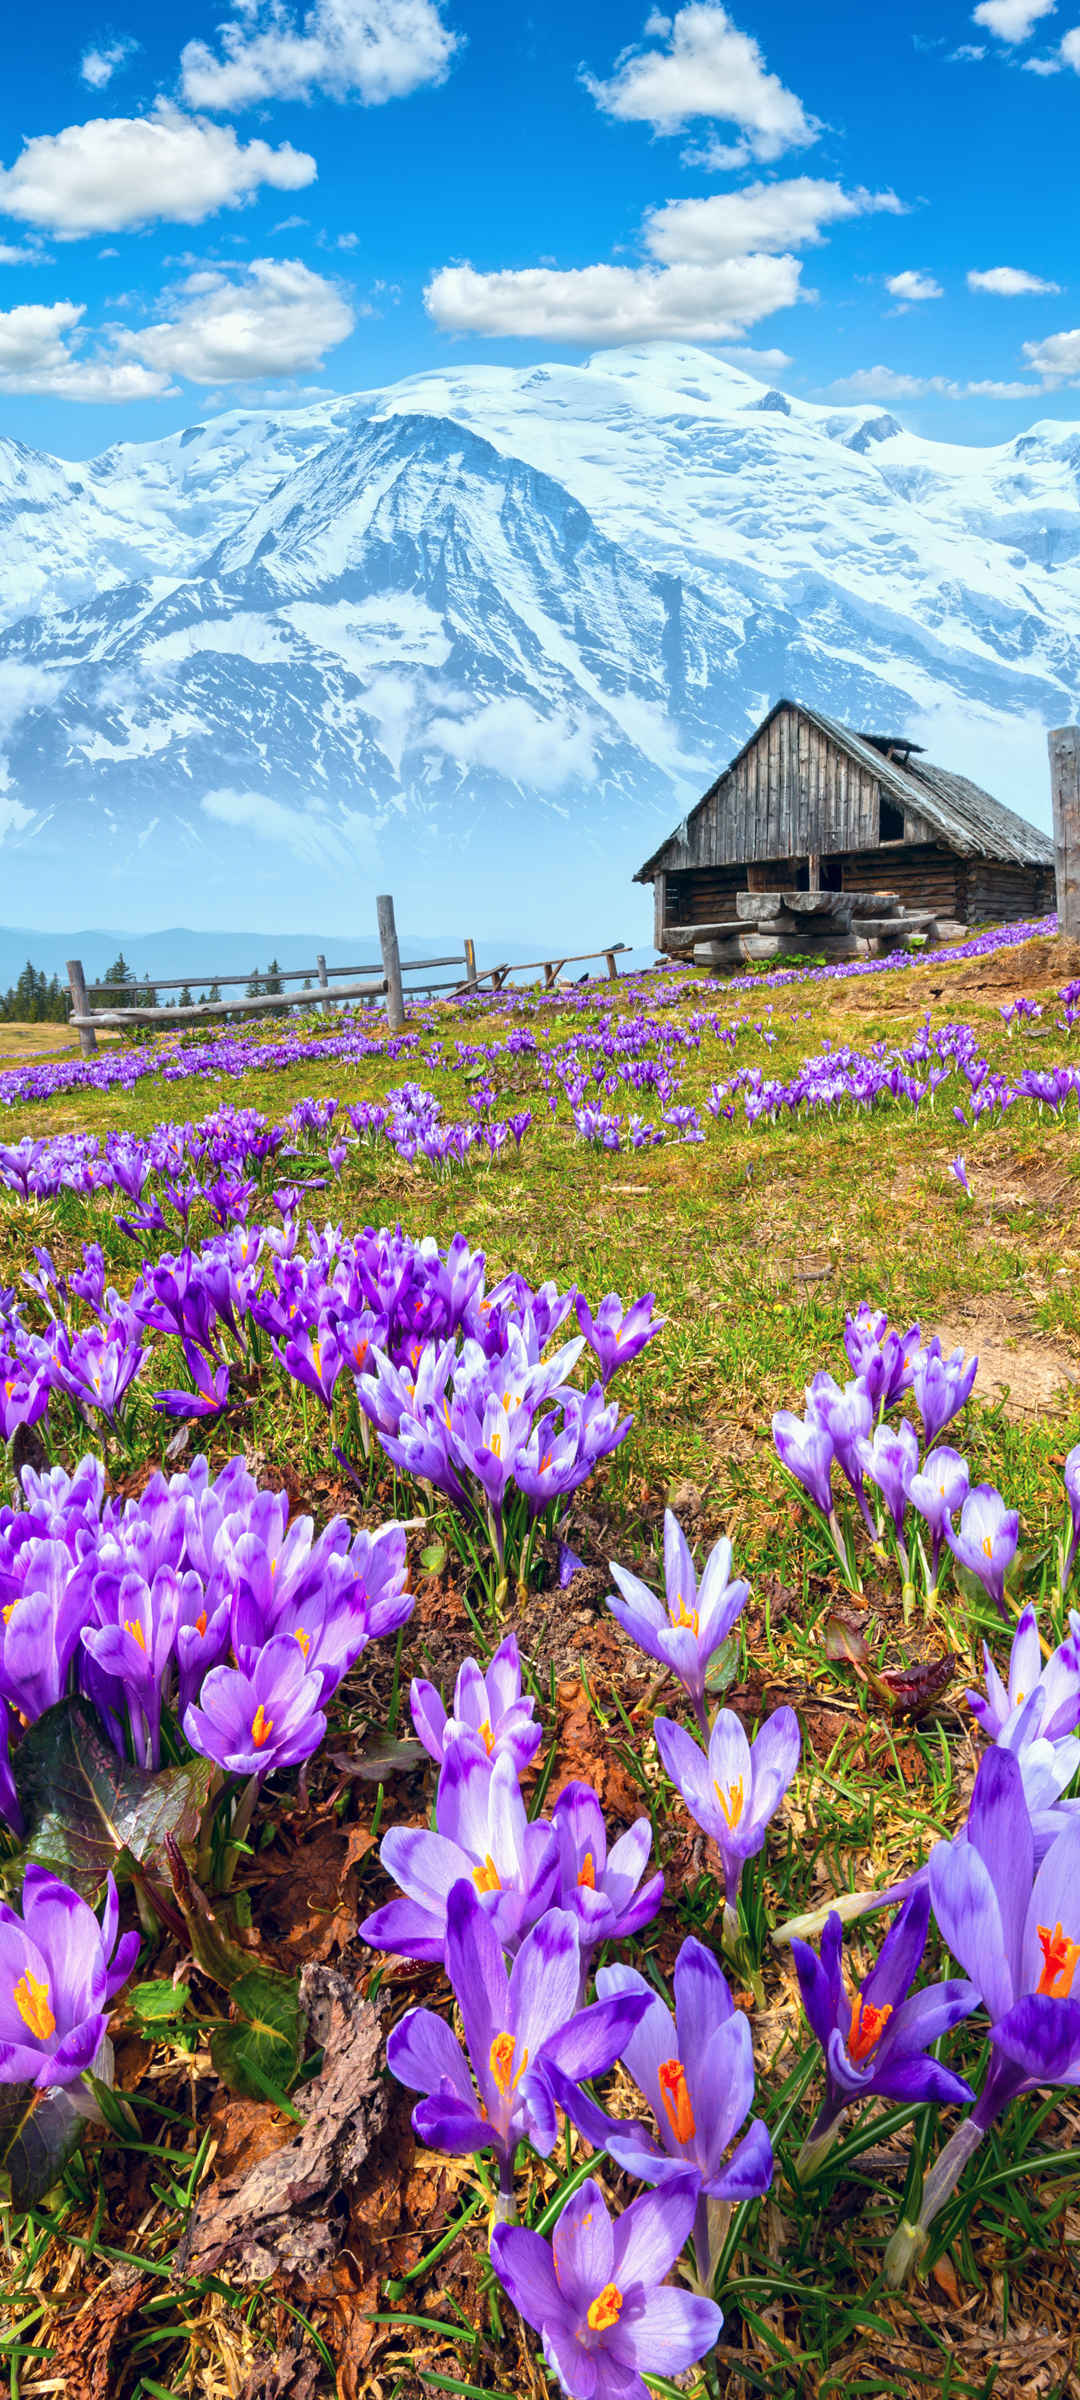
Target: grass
<point x="755" y="1242"/>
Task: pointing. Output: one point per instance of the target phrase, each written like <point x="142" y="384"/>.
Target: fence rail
<point x="368" y="982"/>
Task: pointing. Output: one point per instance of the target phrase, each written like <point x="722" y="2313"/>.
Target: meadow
<point x="191" y="1269"/>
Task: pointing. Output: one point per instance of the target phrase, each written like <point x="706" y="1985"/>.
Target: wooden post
<point x="612" y="969"/>
<point x="1064" y="747"/>
<point x="391" y="959"/>
<point x="80" y="1006"/>
<point x="470" y="962"/>
<point x="660" y="883"/>
<point x="813" y="871"/>
<point x="320" y="962"/>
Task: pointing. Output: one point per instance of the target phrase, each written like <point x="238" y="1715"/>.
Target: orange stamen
<point x="501" y="2062"/>
<point x="587" y="1876"/>
<point x="136" y="1632"/>
<point x="304" y="1640"/>
<point x="486" y="1736"/>
<point x="686" y="1616"/>
<point x="988" y="1547"/>
<point x="675" y="2094"/>
<point x="200" y="1621"/>
<point x="261" y="1727"/>
<point x="486" y="1878"/>
<point x="606" y="2309"/>
<point x="32" y="2001"/>
<point x="1060" y="1957"/>
<point x="731" y="1802"/>
<point x="495" y="1445"/>
<point x="867" y="2026"/>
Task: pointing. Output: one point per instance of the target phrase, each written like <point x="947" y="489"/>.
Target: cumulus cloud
<point x="763" y="216"/>
<point x="369" y="50"/>
<point x="913" y="285"/>
<point x="99" y="64"/>
<point x="1007" y="283"/>
<point x="610" y="305"/>
<point x="40" y="351"/>
<point x="512" y="739"/>
<point x="706" y="68"/>
<point x="759" y="362"/>
<point x="308" y="833"/>
<point x="269" y="318"/>
<point x="885" y="383"/>
<point x="1012" y="20"/>
<point x="1070" y="49"/>
<point x="1057" y="359"/>
<point x="117" y="172"/>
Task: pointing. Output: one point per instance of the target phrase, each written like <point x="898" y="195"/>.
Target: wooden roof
<point x="960" y="812"/>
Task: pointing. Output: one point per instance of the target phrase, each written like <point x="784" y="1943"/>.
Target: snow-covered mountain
<point x="480" y="637"/>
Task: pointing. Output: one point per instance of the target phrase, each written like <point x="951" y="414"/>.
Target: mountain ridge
<point x="489" y="632"/>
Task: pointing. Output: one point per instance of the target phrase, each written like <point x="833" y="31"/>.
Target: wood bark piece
<point x="287" y="2215"/>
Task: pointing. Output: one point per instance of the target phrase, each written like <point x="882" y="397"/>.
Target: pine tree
<point x="254" y="988"/>
<point x="119" y="972"/>
<point x="214" y="992"/>
<point x="273" y="977"/>
<point x="185" y="1000"/>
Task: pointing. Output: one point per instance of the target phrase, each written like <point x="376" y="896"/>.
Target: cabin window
<point x="891" y="821"/>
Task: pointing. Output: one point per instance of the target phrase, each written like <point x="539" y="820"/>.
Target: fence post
<point x="470" y="962"/>
<point x="324" y="980"/>
<point x="1064" y="745"/>
<point x="391" y="959"/>
<point x="80" y="1006"/>
<point x="612" y="969"/>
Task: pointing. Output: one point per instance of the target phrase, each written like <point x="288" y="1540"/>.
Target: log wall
<point x="793" y="791"/>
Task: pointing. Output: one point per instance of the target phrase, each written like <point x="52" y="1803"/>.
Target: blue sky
<point x="200" y="208"/>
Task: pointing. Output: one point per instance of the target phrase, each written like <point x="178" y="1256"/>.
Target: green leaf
<point x="259" y="2054"/>
<point x="39" y="2132"/>
<point x="88" y="1813"/>
<point x="433" y="1559"/>
<point x="159" y="2002"/>
<point x="723" y="1666"/>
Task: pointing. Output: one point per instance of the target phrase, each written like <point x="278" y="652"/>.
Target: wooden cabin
<point x="812" y="805"/>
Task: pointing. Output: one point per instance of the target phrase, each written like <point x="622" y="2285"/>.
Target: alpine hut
<point x="809" y="805"/>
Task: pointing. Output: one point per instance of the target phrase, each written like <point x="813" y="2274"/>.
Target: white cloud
<point x="370" y="50"/>
<point x="116" y="172"/>
<point x="913" y="285"/>
<point x="1007" y="283"/>
<point x="269" y="318"/>
<point x="1045" y="66"/>
<point x="707" y="69"/>
<point x="759" y="362"/>
<point x="966" y="52"/>
<point x="99" y="64"/>
<point x="40" y="352"/>
<point x="18" y="254"/>
<point x="609" y="305"/>
<point x="884" y="383"/>
<point x="1057" y="359"/>
<point x="1070" y="48"/>
<point x="512" y="739"/>
<point x="308" y="833"/>
<point x="1012" y="20"/>
<point x="763" y="216"/>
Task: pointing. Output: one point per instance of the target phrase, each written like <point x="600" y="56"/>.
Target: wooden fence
<point x="369" y="983"/>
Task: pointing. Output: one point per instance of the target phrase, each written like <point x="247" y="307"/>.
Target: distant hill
<point x="178" y="950"/>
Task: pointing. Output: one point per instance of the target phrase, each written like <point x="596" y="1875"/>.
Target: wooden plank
<point x="1064" y="748"/>
<point x="391" y="958"/>
<point x="208" y="1011"/>
<point x="80" y="1007"/>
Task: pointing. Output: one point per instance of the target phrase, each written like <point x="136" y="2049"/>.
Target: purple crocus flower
<point x="602" y="1889"/>
<point x="879" y="1356"/>
<point x="733" y="1789"/>
<point x="482" y="1835"/>
<point x="805" y="1447"/>
<point x="59" y="1968"/>
<point x="254" y="1722"/>
<point x="986" y="1540"/>
<point x="957" y="1168"/>
<point x="685" y="1629"/>
<point x="211" y="1393"/>
<point x="1072" y="1494"/>
<point x="938" y="1489"/>
<point x="1056" y="1682"/>
<point x="1016" y="1932"/>
<point x="617" y="1334"/>
<point x="596" y="2293"/>
<point x="514" y="2023"/>
<point x="696" y="2071"/>
<point x="941" y="1386"/>
<point x="133" y="1643"/>
<point x="487" y="1703"/>
<point x="875" y="2042"/>
<point x="40" y="1625"/>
